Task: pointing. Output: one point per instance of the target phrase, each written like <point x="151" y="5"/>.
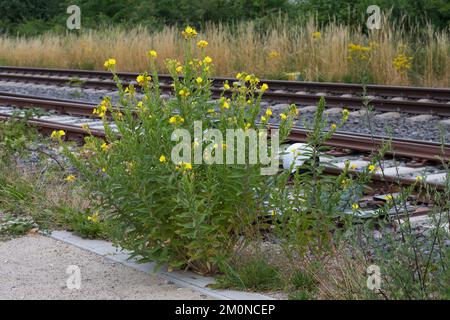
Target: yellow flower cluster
<point x="102" y="108"/>
<point x="345" y="114"/>
<point x="184" y="166"/>
<point x="202" y="44"/>
<point x="71" y="178"/>
<point x="111" y="62"/>
<point x="94" y="218"/>
<point x="189" y="33"/>
<point x="359" y="52"/>
<point x="184" y="93"/>
<point x="274" y="54"/>
<point x="142" y="80"/>
<point x="152" y="54"/>
<point x="105" y="147"/>
<point x="57" y="134"/>
<point x="176" y="120"/>
<point x="402" y="63"/>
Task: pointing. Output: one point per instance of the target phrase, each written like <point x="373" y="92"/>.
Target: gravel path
<point x="383" y="124"/>
<point x="34" y="267"/>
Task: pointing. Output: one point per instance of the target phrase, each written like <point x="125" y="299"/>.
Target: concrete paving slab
<point x="354" y="164"/>
<point x="393" y="171"/>
<point x="182" y="278"/>
<point x="437" y="178"/>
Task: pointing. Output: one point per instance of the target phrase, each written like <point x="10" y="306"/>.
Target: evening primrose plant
<point x="186" y="214"/>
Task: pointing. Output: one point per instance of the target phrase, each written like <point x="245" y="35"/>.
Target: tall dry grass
<point x="242" y="48"/>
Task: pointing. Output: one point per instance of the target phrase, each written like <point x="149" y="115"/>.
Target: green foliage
<point x="34" y="17"/>
<point x="254" y="275"/>
<point x="185" y="214"/>
<point x="85" y="224"/>
<point x="14" y="135"/>
<point x="353" y="12"/>
<point x="308" y="210"/>
<point x="304" y="286"/>
<point x="11" y="226"/>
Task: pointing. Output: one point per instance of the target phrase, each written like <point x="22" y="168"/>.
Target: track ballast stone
<point x="398" y="126"/>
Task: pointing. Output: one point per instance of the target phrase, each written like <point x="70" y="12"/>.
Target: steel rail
<point x="384" y="105"/>
<point x="382" y="90"/>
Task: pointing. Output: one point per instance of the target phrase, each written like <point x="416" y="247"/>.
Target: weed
<point x="253" y="275"/>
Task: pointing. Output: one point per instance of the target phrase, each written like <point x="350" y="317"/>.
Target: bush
<point x="184" y="214"/>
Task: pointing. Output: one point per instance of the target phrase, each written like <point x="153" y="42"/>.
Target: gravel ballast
<point x="393" y="124"/>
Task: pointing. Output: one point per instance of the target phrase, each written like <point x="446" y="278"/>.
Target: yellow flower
<point x="207" y="59"/>
<point x="176" y="120"/>
<point x="111" y="62"/>
<point x="184" y="166"/>
<point x="402" y="63"/>
<point x="345" y="113"/>
<point x="94" y="217"/>
<point x="226" y="105"/>
<point x="162" y="159"/>
<point x="184" y="92"/>
<point x="226" y="86"/>
<point x="283" y="116"/>
<point x="274" y="54"/>
<point x="152" y="54"/>
<point x="189" y="32"/>
<point x="372" y="168"/>
<point x="211" y="111"/>
<point x="199" y="80"/>
<point x="238" y="75"/>
<point x="355" y="206"/>
<point x="263" y="119"/>
<point x="268" y="112"/>
<point x="70" y="178"/>
<point x="264" y="87"/>
<point x="142" y="79"/>
<point x="389" y="197"/>
<point x="103" y="170"/>
<point x="333" y="126"/>
<point x="316" y="35"/>
<point x="179" y="69"/>
<point x="202" y="44"/>
<point x="57" y="134"/>
<point x="248" y="78"/>
<point x="419" y="178"/>
<point x="104" y="147"/>
<point x="353" y="166"/>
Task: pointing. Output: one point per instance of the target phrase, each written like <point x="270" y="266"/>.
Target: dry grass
<point x="244" y="49"/>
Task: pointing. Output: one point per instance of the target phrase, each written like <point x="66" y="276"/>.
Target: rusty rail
<point x="294" y="90"/>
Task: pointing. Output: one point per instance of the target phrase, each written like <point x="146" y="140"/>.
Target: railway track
<point x="415" y="100"/>
<point x="72" y="116"/>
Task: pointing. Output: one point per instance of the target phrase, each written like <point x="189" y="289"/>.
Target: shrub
<point x="184" y="214"/>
